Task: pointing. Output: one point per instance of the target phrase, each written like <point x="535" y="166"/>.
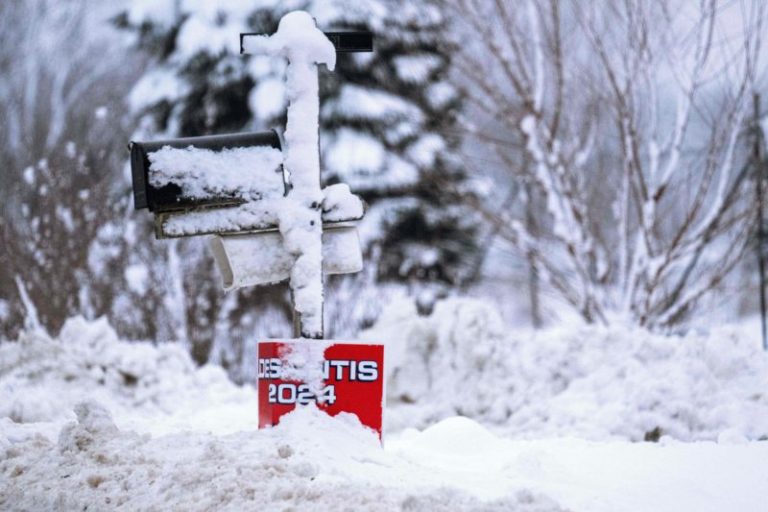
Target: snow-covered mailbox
<point x="259" y="196"/>
<point x="232" y="186"/>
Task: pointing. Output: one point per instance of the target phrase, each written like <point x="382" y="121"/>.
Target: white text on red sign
<point x="338" y="369"/>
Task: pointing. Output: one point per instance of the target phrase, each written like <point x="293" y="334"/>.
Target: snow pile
<point x="310" y="461"/>
<point x="340" y="204"/>
<point x="88" y="421"/>
<point x="585" y="381"/>
<point x="151" y="388"/>
<point x="250" y="173"/>
<point x="314" y="462"/>
<point x="588" y="476"/>
<point x="589" y="382"/>
<point x="239" y="219"/>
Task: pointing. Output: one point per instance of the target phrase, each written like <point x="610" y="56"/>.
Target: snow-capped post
<point x="300" y="41"/>
<point x="305" y="46"/>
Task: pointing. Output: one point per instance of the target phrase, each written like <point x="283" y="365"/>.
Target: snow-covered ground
<point x="478" y="418"/>
<point x="597" y="383"/>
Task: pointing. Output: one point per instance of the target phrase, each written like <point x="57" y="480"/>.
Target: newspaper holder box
<point x="238" y="268"/>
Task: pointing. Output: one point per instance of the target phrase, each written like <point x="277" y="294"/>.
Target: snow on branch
<point x="625" y="198"/>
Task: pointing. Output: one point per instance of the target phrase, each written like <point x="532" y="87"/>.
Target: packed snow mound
<point x="585" y="381"/>
<point x="310" y="461"/>
<point x="152" y="388"/>
<point x="89" y="421"/>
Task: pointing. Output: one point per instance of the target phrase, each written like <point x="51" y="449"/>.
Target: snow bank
<point x="310" y="461"/>
<point x="589" y="382"/>
<point x="585" y="381"/>
<point x="89" y="421"/>
<point x="314" y="462"/>
<point x="595" y="476"/>
<point x="152" y="388"/>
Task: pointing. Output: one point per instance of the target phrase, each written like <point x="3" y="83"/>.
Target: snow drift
<point x="87" y="420"/>
<point x="305" y="462"/>
<point x="152" y="388"/>
<point x="585" y="381"/>
<point x="590" y="382"/>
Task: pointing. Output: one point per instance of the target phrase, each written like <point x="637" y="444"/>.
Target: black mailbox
<point x="221" y="185"/>
<point x="171" y="197"/>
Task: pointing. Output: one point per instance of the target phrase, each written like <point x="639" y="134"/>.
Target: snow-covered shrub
<point x="64" y="239"/>
<point x="626" y="197"/>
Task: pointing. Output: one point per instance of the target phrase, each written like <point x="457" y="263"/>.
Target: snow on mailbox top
<point x="247" y="173"/>
<point x="210" y="171"/>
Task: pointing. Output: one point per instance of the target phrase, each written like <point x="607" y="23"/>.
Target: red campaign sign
<point x="353" y="381"/>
